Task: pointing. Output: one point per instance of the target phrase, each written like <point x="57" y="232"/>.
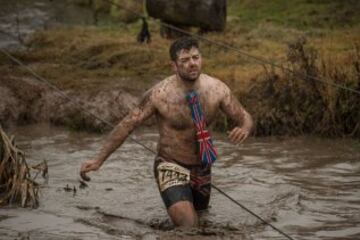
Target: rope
<point x="251" y="212"/>
<point x="240" y="52"/>
<point x="78" y="104"/>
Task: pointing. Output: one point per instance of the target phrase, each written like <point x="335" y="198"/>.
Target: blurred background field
<point x="318" y="38"/>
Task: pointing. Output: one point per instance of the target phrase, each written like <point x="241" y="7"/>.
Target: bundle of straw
<point x="16" y="184"/>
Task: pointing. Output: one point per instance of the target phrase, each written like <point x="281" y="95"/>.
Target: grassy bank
<point x="320" y="38"/>
<point x="299" y="14"/>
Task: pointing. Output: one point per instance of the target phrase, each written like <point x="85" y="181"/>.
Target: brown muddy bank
<point x="290" y="101"/>
<point x="25" y="101"/>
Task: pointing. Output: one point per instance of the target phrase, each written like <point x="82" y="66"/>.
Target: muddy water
<point x="306" y="186"/>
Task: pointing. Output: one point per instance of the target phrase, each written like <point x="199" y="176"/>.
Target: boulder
<point x="209" y="15"/>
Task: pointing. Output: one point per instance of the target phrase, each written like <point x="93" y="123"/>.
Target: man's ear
<point x="173" y="66"/>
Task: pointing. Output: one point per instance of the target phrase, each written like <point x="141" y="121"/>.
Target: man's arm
<point x="233" y="109"/>
<point x="118" y="135"/>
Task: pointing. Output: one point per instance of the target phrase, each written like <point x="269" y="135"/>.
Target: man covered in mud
<point x="185" y="104"/>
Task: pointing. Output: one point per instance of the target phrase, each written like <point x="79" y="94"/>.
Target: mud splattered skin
<point x="177" y="132"/>
<point x="167" y="101"/>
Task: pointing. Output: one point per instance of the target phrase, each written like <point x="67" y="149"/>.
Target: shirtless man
<point x="184" y="182"/>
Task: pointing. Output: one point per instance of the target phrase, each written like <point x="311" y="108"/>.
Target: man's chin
<point x="191" y="77"/>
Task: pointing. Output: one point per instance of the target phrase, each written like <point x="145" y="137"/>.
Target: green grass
<point x="299" y="14"/>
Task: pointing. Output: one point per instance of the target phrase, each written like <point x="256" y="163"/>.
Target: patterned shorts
<point x="179" y="182"/>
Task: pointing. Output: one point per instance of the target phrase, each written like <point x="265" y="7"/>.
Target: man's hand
<point x="91" y="165"/>
<point x="238" y="135"/>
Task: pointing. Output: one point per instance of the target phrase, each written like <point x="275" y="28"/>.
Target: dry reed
<point x="16" y="184"/>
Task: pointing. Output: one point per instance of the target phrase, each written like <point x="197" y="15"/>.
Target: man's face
<point x="188" y="64"/>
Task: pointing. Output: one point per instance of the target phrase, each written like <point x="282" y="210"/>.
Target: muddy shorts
<point x="183" y="183"/>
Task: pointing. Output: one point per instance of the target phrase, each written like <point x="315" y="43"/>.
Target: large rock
<point x="205" y="14"/>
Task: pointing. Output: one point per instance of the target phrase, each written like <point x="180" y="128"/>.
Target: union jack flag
<point x="207" y="152"/>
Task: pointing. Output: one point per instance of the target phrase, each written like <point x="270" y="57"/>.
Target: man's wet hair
<point x="182" y="43"/>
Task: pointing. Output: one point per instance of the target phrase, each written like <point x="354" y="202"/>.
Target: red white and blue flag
<point x="207" y="152"/>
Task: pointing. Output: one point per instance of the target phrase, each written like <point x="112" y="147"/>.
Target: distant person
<point x="185" y="150"/>
<point x="144" y="34"/>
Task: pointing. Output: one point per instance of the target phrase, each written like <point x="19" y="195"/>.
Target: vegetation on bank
<point x="320" y="38"/>
<point x="17" y="185"/>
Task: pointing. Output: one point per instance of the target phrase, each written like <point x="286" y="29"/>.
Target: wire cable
<point x="251" y="212"/>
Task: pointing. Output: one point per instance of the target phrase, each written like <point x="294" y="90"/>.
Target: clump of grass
<point x="16" y="184"/>
<point x="295" y="103"/>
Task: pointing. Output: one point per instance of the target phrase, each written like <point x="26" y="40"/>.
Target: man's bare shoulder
<point x="213" y="80"/>
<point x="161" y="89"/>
<point x="215" y="84"/>
<point x="164" y="86"/>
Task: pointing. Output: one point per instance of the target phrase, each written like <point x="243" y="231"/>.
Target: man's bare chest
<point x="176" y="112"/>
